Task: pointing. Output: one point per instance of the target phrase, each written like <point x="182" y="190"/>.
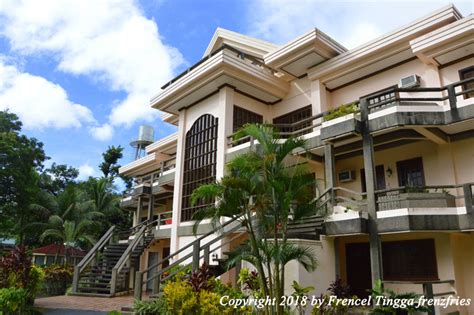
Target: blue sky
<point x="80" y="73"/>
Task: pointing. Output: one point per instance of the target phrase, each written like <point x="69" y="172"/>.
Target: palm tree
<point x="69" y="233"/>
<point x="264" y="189"/>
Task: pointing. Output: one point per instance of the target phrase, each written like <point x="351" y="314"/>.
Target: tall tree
<point x="57" y="177"/>
<point x="264" y="189"/>
<point x="110" y="166"/>
<point x="21" y="160"/>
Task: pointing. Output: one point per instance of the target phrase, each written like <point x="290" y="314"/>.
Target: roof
<point x="249" y="45"/>
<point x="52" y="249"/>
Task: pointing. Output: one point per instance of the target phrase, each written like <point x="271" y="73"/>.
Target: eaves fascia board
<point x="444" y="15"/>
<point x="310" y="41"/>
<point x="445" y="34"/>
<point x="162" y="142"/>
<point x="137" y="164"/>
<point x="219" y="64"/>
<point x="223" y="34"/>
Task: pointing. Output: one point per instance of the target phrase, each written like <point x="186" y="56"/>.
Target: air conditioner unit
<point x="346" y="176"/>
<point x="410" y="81"/>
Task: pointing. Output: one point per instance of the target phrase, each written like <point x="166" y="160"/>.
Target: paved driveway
<point x="87" y="305"/>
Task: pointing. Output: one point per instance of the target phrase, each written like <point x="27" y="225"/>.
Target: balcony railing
<point x="441" y="196"/>
<point x="376" y="102"/>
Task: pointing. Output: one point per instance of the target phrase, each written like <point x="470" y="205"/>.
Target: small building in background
<point x="46" y="255"/>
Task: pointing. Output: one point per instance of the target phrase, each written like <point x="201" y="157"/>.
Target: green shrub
<point x="13" y="300"/>
<point x="379" y="291"/>
<point x="342" y="111"/>
<point x="57" y="279"/>
<point x="149" y="307"/>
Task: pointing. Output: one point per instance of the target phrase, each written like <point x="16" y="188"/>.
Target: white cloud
<point x="110" y="41"/>
<point x="85" y="171"/>
<point x="351" y="23"/>
<point x="38" y="102"/>
<point x="102" y="133"/>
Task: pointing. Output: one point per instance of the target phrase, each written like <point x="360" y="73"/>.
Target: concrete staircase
<point x="106" y="269"/>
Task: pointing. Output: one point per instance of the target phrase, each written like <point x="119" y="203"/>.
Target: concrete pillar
<point x="319" y="98"/>
<point x="139" y="210"/>
<point x="224" y="129"/>
<point x="150" y="206"/>
<point x="178" y="181"/>
<point x="330" y="173"/>
<point x="369" y="166"/>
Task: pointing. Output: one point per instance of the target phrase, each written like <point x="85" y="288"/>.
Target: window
<point x="466" y="74"/>
<point x="410" y="173"/>
<point x="39" y="260"/>
<point x="294" y="117"/>
<point x="199" y="162"/>
<point x="409" y="260"/>
<point x="243" y="116"/>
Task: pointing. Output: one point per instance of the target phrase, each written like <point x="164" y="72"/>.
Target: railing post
<point x="162" y="168"/>
<point x="428" y="293"/>
<point x="252" y="142"/>
<point x="113" y="282"/>
<point x="138" y="286"/>
<point x="196" y="250"/>
<point x="206" y="254"/>
<point x="330" y="173"/>
<point x="156" y="283"/>
<point x="451" y="96"/>
<point x="467" y="190"/>
<point x="75" y="279"/>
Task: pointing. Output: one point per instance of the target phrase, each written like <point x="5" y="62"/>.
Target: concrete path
<point x="66" y="304"/>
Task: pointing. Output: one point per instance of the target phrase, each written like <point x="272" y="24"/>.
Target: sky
<point x="80" y="73"/>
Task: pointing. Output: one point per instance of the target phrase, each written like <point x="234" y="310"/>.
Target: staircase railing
<point x="195" y="248"/>
<point x="105" y="239"/>
<point x="125" y="258"/>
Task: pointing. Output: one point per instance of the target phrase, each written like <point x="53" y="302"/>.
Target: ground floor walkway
<point x="65" y="304"/>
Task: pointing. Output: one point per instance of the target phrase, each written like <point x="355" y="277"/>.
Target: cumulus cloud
<point x="38" y="102"/>
<point x="102" y="133"/>
<point x="351" y="23"/>
<point x="110" y="41"/>
<point x="85" y="171"/>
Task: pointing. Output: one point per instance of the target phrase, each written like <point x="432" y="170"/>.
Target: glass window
<point x="410" y="173"/>
<point x="199" y="162"/>
<point x="409" y="260"/>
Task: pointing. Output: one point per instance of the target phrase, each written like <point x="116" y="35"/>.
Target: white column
<point x="178" y="181"/>
<point x="225" y="115"/>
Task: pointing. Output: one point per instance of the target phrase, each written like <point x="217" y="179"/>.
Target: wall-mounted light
<point x="389" y="172"/>
<point x="215" y="257"/>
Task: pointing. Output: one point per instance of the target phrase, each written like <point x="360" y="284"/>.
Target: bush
<point x="149" y="307"/>
<point x="13" y="300"/>
<point x="57" y="279"/>
<point x="342" y="110"/>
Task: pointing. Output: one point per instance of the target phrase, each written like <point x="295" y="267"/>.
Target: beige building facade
<point x="390" y="133"/>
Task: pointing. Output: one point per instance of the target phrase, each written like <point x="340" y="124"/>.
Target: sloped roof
<point x="52" y="249"/>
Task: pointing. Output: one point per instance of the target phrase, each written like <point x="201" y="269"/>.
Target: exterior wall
<point x="450" y="74"/>
<point x="325" y="271"/>
<point x="445" y="164"/>
<point x="463" y="257"/>
<point x="298" y="96"/>
<point x="454" y="263"/>
<point x="428" y="76"/>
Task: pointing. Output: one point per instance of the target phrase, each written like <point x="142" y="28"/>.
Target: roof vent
<point x="410" y="81"/>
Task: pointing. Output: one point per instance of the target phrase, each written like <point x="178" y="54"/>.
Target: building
<point x="390" y="127"/>
<point x="56" y="254"/>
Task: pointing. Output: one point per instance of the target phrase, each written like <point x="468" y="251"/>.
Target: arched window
<point x="200" y="155"/>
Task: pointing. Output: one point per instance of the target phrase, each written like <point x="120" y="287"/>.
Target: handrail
<point x="98" y="246"/>
<point x="190" y="245"/>
<point x="89" y="256"/>
<point x="124" y="258"/>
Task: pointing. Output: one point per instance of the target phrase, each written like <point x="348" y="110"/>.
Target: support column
<point x="369" y="166"/>
<point x="330" y="171"/>
<point x="224" y="129"/>
<point x="139" y="210"/>
<point x="178" y="181"/>
<point x="150" y="206"/>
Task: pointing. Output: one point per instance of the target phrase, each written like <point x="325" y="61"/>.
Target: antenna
<point x="145" y="137"/>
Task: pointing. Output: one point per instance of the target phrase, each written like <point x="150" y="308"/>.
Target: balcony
<point x="443" y="207"/>
<point x="159" y="182"/>
<point x="430" y="106"/>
